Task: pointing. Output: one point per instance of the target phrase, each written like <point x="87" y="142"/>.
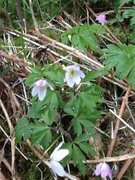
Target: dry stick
<point x="71" y="50"/>
<point x="10" y="168"/>
<point x="70" y="18"/>
<point x="46" y="162"/>
<point x="75" y="9"/>
<point x="112" y="159"/>
<point x="13" y="58"/>
<point x="124" y="122"/>
<point x="118" y="122"/>
<point x="28" y="38"/>
<point x="12" y="94"/>
<point x="19" y="12"/>
<point x="10" y="141"/>
<point x="12" y="138"/>
<point x="124" y="168"/>
<point x="13" y="97"/>
<point x="2" y="177"/>
<point x="33" y="16"/>
<point x="16" y="60"/>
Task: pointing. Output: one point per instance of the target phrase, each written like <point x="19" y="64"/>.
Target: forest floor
<point x="37" y="44"/>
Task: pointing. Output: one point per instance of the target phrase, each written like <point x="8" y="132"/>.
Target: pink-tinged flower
<point x="56" y="156"/>
<point x="103" y="170"/>
<point x="101" y="19"/>
<point x="73" y="75"/>
<point x="40" y="88"/>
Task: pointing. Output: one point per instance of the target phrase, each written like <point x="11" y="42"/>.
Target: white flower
<point x="40" y="88"/>
<point x="73" y="75"/>
<point x="56" y="156"/>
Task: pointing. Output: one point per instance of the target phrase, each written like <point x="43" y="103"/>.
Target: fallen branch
<point x="70" y="50"/>
<point x="18" y="61"/>
<point x="118" y="122"/>
<point x="11" y="128"/>
<point x="112" y="159"/>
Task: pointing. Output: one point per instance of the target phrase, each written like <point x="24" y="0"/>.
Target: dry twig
<point x="12" y="138"/>
<point x="118" y="122"/>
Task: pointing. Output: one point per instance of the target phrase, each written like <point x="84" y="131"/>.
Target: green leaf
<point x="89" y="126"/>
<point x="92" y="75"/>
<point x="49" y="115"/>
<point x="77" y="155"/>
<point x="83" y="36"/>
<point x="41" y="135"/>
<point x="122" y="58"/>
<point x="35" y="75"/>
<point x="78" y="158"/>
<point x="36" y="109"/>
<point x="123" y="2"/>
<point x="82" y="138"/>
<point x="49" y="110"/>
<point x="54" y="73"/>
<point x="86" y="148"/>
<point x="22" y="130"/>
<point x="80" y="124"/>
<point x="72" y="107"/>
<point x="130" y="13"/>
<point x="77" y="127"/>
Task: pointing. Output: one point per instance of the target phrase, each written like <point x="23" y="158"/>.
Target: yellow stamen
<point x="72" y="73"/>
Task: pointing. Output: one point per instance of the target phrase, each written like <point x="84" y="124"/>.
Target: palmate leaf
<point x="35" y="75"/>
<point x="72" y="107"/>
<point x="35" y="110"/>
<point x="83" y="36"/>
<point x="76" y="155"/>
<point x="46" y="109"/>
<point x="130" y="13"/>
<point x="41" y="135"/>
<point x="54" y="73"/>
<point x="80" y="124"/>
<point x="78" y="158"/>
<point x="50" y="110"/>
<point x="81" y="141"/>
<point x="122" y="58"/>
<point x="85" y="109"/>
<point x="78" y="151"/>
<point x="22" y="130"/>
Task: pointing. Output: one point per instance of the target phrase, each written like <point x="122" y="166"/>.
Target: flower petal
<point x="59" y="155"/>
<point x="50" y="86"/>
<point x="98" y="169"/>
<point x="34" y="90"/>
<point x="77" y="79"/>
<point x="41" y="83"/>
<point x="57" y="168"/>
<point x="66" y="76"/>
<point x="81" y="74"/>
<point x="101" y="19"/>
<point x="42" y="93"/>
<point x="70" y="82"/>
<point x="106" y="171"/>
<point x="56" y="149"/>
<point x="76" y="67"/>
